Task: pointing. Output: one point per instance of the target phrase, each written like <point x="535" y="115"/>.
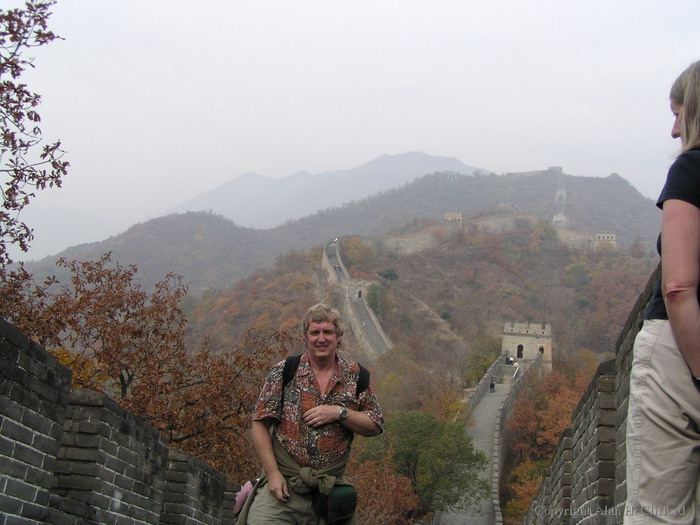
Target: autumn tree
<point x="540" y="415"/>
<point x="355" y="253"/>
<point x="474" y="364"/>
<point x="405" y="384"/>
<point x="385" y="497"/>
<point x="438" y="457"/>
<point x="263" y="302"/>
<point x="27" y="163"/>
<point x="129" y="343"/>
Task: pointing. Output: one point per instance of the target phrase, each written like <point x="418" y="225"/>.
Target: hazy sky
<point x="159" y="100"/>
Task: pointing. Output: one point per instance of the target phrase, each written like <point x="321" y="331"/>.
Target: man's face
<point x="321" y="340"/>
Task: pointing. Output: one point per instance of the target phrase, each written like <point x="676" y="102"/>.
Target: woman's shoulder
<point x="690" y="158"/>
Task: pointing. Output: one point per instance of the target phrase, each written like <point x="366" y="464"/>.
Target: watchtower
<point x="527" y="341"/>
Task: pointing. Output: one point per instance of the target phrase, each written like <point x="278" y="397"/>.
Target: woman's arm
<point x="680" y="271"/>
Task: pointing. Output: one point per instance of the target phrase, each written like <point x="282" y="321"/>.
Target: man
<point x="303" y="433"/>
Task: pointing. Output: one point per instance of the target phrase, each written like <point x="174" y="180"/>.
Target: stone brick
<point x="17" y="432"/>
<point x="20" y="490"/>
<point x="606" y="434"/>
<point x="81" y="454"/>
<point x="14" y="336"/>
<point x="606" y="451"/>
<point x="23" y="397"/>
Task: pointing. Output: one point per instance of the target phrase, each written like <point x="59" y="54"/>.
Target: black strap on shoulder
<point x="292" y="363"/>
<point x="362" y="381"/>
<point x="290" y="368"/>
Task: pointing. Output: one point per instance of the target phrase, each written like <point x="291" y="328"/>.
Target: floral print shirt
<point x="314" y="447"/>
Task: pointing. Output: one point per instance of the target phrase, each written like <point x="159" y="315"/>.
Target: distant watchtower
<point x="527" y="341"/>
<point x="560" y="218"/>
<point x="604" y="240"/>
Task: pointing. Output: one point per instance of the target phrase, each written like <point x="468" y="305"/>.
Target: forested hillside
<point x="212" y="252"/>
<point x="445" y="308"/>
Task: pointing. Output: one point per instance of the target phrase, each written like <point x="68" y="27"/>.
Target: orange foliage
<point x="264" y="302"/>
<point x="529" y="479"/>
<point x="540" y="415"/>
<point x="84" y="369"/>
<point x="543" y="411"/>
<point x="128" y="343"/>
<point x="209" y="416"/>
<point x="384" y="498"/>
<point x="443" y="403"/>
<point x="290" y="324"/>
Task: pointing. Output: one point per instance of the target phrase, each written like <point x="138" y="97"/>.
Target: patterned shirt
<point x="314" y="447"/>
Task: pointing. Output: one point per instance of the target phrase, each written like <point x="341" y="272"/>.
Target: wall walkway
<point x="586" y="481"/>
<point x="365" y="325"/>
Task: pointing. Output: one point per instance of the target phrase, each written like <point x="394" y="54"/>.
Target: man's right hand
<point x="278" y="486"/>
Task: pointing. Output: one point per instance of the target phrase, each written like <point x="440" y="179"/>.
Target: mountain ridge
<point x="302" y="193"/>
<point x="211" y="251"/>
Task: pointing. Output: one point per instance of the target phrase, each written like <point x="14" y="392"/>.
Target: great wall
<point x="76" y="457"/>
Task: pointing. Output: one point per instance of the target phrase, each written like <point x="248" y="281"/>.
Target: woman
<point x="663" y="423"/>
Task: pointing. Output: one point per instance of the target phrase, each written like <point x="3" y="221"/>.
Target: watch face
<point x="343" y="413"/>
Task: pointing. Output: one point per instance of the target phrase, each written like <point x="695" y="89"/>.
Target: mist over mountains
<point x="256" y="201"/>
<point x="250" y="200"/>
<point x="212" y="251"/>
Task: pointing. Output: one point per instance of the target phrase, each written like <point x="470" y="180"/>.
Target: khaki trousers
<point x="663" y="440"/>
<point x="267" y="509"/>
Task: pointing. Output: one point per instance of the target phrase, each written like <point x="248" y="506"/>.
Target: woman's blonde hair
<point x="685" y="91"/>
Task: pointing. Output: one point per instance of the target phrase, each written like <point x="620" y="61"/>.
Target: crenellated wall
<point x="586" y="481"/>
<point x="78" y="458"/>
<point x="354" y="305"/>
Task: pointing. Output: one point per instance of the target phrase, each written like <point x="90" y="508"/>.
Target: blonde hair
<point x="322" y="313"/>
<point x="685" y="92"/>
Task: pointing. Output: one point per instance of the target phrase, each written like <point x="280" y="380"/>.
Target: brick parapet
<point x="586" y="480"/>
<point x="78" y="458"/>
<point x="594" y="437"/>
<point x="34" y="391"/>
<point x="477" y="394"/>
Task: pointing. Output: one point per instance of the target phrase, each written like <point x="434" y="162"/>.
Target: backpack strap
<point x="291" y="364"/>
<point x="290" y="368"/>
<point x="362" y="381"/>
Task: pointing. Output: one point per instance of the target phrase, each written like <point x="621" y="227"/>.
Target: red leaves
<point x="27" y="164"/>
<point x="540" y="415"/>
<point x="385" y="497"/>
<point x="128" y="342"/>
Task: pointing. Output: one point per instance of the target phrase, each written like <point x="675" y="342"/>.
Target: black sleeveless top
<point x="682" y="183"/>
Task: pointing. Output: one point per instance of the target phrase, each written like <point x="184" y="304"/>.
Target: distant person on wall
<point x="663" y="421"/>
<point x="303" y="431"/>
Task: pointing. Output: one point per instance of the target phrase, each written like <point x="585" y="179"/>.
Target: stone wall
<point x="77" y="457"/>
<point x="354" y="308"/>
<point x="527" y="341"/>
<point x="586" y="481"/>
<point x="502" y="441"/>
<point x="477" y="394"/>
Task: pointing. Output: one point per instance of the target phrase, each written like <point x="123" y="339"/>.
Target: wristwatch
<point x="343" y="414"/>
